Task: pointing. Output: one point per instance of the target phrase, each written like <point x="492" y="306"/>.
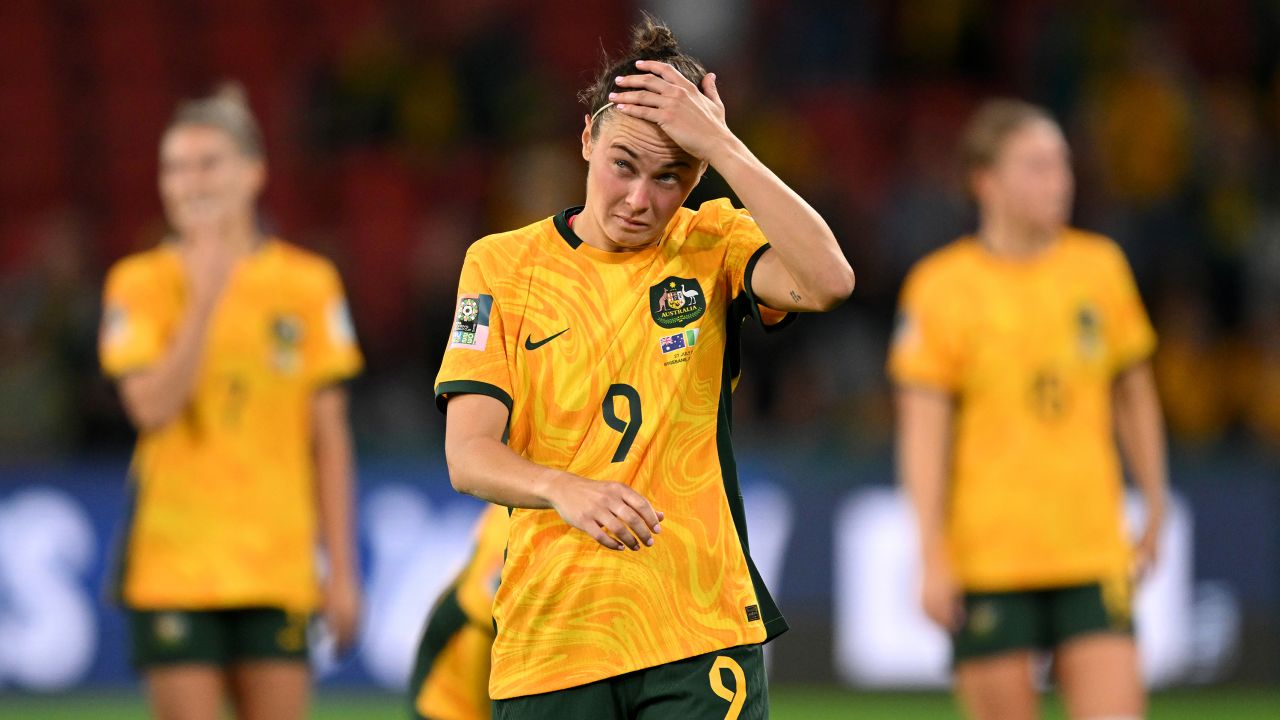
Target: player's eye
<point x="669" y="179"/>
<point x="622" y="166"/>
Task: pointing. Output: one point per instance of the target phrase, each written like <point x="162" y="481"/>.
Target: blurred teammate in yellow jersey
<point x="1021" y="353"/>
<point x="587" y="381"/>
<point x="229" y="348"/>
<point x="450" y="679"/>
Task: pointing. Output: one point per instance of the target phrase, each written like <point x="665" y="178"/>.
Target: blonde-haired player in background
<point x="1020" y="354"/>
<point x="228" y="349"/>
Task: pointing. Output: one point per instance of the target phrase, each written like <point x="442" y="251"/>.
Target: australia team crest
<point x="676" y="302"/>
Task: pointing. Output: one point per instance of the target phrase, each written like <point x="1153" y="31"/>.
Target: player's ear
<point x="257" y="176"/>
<point x="702" y="172"/>
<point x="979" y="184"/>
<point x="586" y="138"/>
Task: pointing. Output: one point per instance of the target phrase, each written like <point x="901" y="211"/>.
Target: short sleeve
<point x="926" y="348"/>
<point x="475" y="358"/>
<point x="333" y="352"/>
<point x="132" y="334"/>
<point x="1130" y="337"/>
<point x="746" y="244"/>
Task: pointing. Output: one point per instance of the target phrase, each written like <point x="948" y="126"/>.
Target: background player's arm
<point x="805" y="271"/>
<point x="924" y="440"/>
<point x="1136" y="406"/>
<point x="481" y="464"/>
<point x="335" y="485"/>
<point x="153" y="397"/>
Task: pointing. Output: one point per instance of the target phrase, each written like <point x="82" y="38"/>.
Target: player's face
<point x="637" y="177"/>
<point x="205" y="180"/>
<point x="1031" y="183"/>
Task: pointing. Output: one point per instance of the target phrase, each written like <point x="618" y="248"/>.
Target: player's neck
<point x="1015" y="241"/>
<point x="243" y="237"/>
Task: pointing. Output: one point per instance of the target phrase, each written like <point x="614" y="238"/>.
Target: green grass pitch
<point x="788" y="703"/>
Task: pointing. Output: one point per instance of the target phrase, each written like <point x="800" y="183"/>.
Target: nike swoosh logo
<point x="529" y="344"/>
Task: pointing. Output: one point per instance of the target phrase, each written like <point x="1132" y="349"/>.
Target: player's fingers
<point x="644" y="508"/>
<point x="645" y="81"/>
<point x="710" y="90"/>
<point x="635" y="523"/>
<point x="648" y="98"/>
<point x="667" y="72"/>
<point x="640" y="111"/>
<point x="598" y="534"/>
<point x="344" y="631"/>
<point x="619" y="531"/>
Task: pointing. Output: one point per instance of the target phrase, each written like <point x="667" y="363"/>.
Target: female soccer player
<point x="601" y="345"/>
<point x="1018" y="353"/>
<point x="228" y="348"/>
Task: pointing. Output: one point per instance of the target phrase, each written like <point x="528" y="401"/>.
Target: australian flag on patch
<point x="679" y="341"/>
<point x="672" y="343"/>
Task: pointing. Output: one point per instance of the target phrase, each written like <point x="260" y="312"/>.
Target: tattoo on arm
<point x="795" y="296"/>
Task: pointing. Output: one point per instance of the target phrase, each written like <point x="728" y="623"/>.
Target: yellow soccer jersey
<point x="1029" y="350"/>
<point x="224" y="507"/>
<point x="617" y="367"/>
<point x="456" y="686"/>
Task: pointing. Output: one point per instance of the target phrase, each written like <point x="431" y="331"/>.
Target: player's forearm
<point x="335" y="483"/>
<point x="803" y="240"/>
<point x="488" y="469"/>
<point x="154" y="397"/>
<point x="1141" y="433"/>
<point x="924" y="428"/>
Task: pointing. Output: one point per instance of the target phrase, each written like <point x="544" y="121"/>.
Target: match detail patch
<point x="471" y="324"/>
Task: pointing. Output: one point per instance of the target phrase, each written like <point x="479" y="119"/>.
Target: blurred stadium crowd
<point x="399" y="132"/>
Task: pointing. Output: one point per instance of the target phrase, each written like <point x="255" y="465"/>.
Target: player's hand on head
<point x="613" y="514"/>
<point x="693" y="118"/>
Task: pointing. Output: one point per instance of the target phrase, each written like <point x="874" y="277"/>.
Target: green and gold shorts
<point x="1041" y="619"/>
<point x="216" y="637"/>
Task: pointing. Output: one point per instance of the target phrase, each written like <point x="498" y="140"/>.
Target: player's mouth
<point x="630" y="224"/>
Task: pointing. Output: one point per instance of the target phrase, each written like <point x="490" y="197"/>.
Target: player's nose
<point x="637" y="197"/>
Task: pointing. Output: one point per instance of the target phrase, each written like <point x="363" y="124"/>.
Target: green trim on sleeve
<point x="469" y="387"/>
<point x="786" y="320"/>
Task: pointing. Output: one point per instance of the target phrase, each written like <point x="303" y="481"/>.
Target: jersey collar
<point x="562" y="226"/>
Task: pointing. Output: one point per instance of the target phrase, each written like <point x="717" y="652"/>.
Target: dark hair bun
<point x="650" y="38"/>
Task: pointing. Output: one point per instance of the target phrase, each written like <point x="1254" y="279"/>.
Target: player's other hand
<point x="613" y="514"/>
<point x="342" y="610"/>
<point x="941" y="597"/>
<point x="1146" y="552"/>
<point x="208" y="260"/>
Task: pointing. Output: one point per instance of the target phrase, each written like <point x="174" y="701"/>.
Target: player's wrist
<point x="548" y="485"/>
<point x="725" y="150"/>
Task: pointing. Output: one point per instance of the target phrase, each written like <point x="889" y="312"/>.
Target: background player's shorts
<point x="1041" y="619"/>
<point x="723" y="685"/>
<point x="216" y="637"/>
<point x="450" y="679"/>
